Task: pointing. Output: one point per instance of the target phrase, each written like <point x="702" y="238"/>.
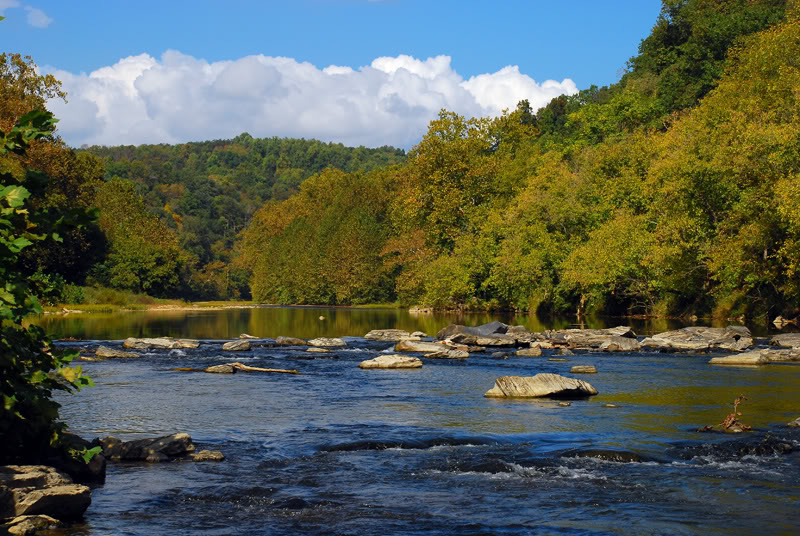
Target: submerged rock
<point x="391" y="362"/>
<point x="541" y="385"/>
<point x="323" y="341"/>
<point x="609" y="455"/>
<point x="317" y="350"/>
<point x="109" y="353"/>
<point x="698" y="338"/>
<point x="165" y="343"/>
<point x="290" y="341"/>
<point x="236" y="346"/>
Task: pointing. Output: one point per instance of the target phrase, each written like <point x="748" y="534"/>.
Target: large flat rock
<point x="416" y="346"/>
<point x="163" y="343"/>
<point x="390" y="335"/>
<point x="699" y="338"/>
<point x="541" y="385"/>
<point x="791" y="340"/>
<point x="327" y="342"/>
<point x="391" y="362"/>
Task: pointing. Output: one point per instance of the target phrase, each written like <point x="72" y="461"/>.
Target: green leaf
<point x="15" y="196"/>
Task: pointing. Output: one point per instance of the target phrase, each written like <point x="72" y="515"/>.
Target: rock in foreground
<point x="391" y="362"/>
<point x="541" y="385"/>
<point x="29" y="490"/>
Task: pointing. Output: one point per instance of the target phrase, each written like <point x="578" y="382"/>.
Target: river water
<point x="338" y="450"/>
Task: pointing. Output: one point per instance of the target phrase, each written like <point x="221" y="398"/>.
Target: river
<point x="338" y="450"/>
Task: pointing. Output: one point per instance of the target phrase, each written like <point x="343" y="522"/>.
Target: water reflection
<point x="305" y="322"/>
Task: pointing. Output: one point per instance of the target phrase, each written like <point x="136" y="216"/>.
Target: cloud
<point x="38" y="18"/>
<point x="178" y="98"/>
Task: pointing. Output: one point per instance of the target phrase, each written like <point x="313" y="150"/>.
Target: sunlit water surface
<point x="340" y="450"/>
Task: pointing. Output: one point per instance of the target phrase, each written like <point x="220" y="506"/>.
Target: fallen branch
<point x="239" y="366"/>
<point x="731" y="423"/>
<point x="247" y="368"/>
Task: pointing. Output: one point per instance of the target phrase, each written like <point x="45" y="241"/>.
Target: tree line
<point x="671" y="192"/>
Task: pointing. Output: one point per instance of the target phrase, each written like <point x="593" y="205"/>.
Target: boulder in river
<point x="207" y="456"/>
<point x="290" y="341"/>
<point x="790" y="340"/>
<point x="109" y="353"/>
<point x="583" y="369"/>
<point x="236" y="346"/>
<point x="165" y="343"/>
<point x="326" y="342"/>
<point x="156" y="449"/>
<point x="794" y="424"/>
<point x="391" y="362"/>
<point x="748" y="358"/>
<point x="699" y="338"/>
<point x="220" y="369"/>
<point x="484" y="330"/>
<point x="415" y="346"/>
<point x="622" y="336"/>
<point x="27" y="490"/>
<point x="247" y="336"/>
<point x="541" y="385"/>
<point x="390" y="335"/>
<point x="533" y="351"/>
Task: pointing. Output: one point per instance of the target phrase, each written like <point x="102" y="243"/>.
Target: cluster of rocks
<point x="158" y="449"/>
<point x="34" y="497"/>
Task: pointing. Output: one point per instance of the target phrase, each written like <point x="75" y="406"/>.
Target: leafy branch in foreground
<point x="30" y="371"/>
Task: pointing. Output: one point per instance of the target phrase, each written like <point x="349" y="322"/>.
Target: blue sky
<point x="144" y="71"/>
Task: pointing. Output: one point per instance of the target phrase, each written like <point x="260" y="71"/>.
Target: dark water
<point x="339" y="451"/>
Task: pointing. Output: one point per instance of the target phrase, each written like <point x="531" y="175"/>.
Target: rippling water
<point x="339" y="450"/>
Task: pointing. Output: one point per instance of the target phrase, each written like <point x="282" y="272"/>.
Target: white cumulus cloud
<point x="38" y="18"/>
<point x="178" y="98"/>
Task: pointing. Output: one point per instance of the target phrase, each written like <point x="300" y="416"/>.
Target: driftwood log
<point x="242" y="367"/>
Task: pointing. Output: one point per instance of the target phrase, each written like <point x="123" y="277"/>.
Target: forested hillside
<point x="672" y="192"/>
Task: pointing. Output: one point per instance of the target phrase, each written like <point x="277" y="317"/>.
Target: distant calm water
<point x="338" y="450"/>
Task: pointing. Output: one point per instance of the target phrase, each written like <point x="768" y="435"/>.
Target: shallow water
<point x="340" y="450"/>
